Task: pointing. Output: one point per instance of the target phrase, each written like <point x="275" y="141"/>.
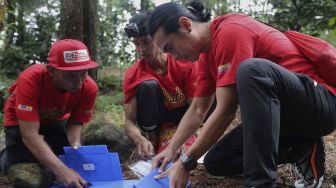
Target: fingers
<point x="76" y="145"/>
<point x="177" y="154"/>
<point x="74" y="184"/>
<point x="155" y="162"/>
<point x="163" y="165"/>
<point x="82" y="181"/>
<point x="151" y="150"/>
<point x="145" y="150"/>
<point x="162" y="175"/>
<point x="140" y="153"/>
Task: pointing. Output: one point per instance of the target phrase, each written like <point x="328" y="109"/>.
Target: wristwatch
<point x="189" y="163"/>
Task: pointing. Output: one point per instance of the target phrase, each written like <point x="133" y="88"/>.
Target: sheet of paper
<point x="141" y="168"/>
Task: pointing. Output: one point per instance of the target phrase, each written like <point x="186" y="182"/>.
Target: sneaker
<point x="310" y="167"/>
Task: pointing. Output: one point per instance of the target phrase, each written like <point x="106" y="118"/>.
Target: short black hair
<point x="138" y="25"/>
<point x="168" y="14"/>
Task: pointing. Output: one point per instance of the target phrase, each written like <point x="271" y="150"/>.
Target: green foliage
<point x="29" y="34"/>
<point x="114" y="46"/>
<point x="113" y="104"/>
<point x="4" y="84"/>
<point x="311" y="16"/>
<point x="13" y="60"/>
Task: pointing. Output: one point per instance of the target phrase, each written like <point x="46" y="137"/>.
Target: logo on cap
<point x="76" y="56"/>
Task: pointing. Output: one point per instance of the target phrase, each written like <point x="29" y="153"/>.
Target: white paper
<point x="141" y="168"/>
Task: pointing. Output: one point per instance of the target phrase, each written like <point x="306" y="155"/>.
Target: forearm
<point x="190" y="122"/>
<point x="217" y="123"/>
<point x="212" y="130"/>
<point x="133" y="132"/>
<point x="74" y="134"/>
<point x="39" y="148"/>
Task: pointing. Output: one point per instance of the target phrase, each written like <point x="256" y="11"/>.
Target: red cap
<point x="70" y="54"/>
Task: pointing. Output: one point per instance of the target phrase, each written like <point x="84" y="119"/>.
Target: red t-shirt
<point x="34" y="98"/>
<point x="177" y="86"/>
<point x="238" y="37"/>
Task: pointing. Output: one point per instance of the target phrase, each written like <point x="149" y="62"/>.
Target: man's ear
<point x="185" y="23"/>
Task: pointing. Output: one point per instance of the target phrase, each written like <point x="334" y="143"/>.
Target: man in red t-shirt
<point x="286" y="105"/>
<point x="47" y="108"/>
<point x="157" y="90"/>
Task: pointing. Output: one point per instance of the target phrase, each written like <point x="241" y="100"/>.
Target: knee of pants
<point x="148" y="87"/>
<point x="251" y="67"/>
<point x="215" y="167"/>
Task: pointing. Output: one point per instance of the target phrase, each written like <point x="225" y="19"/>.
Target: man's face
<point x="68" y="81"/>
<point x="181" y="45"/>
<point x="146" y="47"/>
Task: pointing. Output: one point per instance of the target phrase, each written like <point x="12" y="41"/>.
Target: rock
<point x="30" y="175"/>
<point x="102" y="130"/>
<point x="334" y="179"/>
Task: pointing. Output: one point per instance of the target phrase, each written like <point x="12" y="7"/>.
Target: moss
<point x="30" y="175"/>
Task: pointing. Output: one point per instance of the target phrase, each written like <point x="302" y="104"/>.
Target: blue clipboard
<point x="149" y="181"/>
<point x="96" y="165"/>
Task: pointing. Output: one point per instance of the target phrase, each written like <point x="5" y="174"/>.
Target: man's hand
<point x="179" y="152"/>
<point x="178" y="176"/>
<point x="145" y="149"/>
<point x="71" y="178"/>
<point x="165" y="157"/>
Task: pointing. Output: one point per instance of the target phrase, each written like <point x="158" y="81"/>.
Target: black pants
<point x="279" y="110"/>
<point x="151" y="111"/>
<point x="17" y="152"/>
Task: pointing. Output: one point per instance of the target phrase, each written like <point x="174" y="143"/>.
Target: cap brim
<point x="91" y="65"/>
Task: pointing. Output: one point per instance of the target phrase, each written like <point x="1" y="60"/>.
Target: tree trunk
<point x="90" y="30"/>
<point x="11" y="6"/>
<point x="71" y="25"/>
<point x="2" y="13"/>
<point x="78" y="21"/>
<point x="21" y="30"/>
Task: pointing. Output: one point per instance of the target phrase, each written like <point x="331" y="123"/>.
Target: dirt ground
<point x="199" y="178"/>
<point x="286" y="177"/>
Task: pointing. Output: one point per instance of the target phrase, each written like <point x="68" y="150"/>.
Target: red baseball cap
<point x="70" y="54"/>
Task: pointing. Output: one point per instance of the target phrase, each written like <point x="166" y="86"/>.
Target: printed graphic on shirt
<point x="51" y="113"/>
<point x="166" y="133"/>
<point x="25" y="107"/>
<point x="174" y="100"/>
<point x="76" y="56"/>
<point x="223" y="68"/>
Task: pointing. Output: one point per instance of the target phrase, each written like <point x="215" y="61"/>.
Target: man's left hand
<point x="178" y="176"/>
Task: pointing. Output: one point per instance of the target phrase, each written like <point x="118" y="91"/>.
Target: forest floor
<point x="286" y="178"/>
<point x="199" y="177"/>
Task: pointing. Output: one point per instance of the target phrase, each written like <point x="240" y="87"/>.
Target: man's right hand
<point x="71" y="178"/>
<point x="162" y="159"/>
<point x="145" y="149"/>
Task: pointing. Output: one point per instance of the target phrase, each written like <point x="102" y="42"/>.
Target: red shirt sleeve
<point x="232" y="45"/>
<point x="205" y="84"/>
<point x="83" y="112"/>
<point x="190" y="77"/>
<point x="28" y="94"/>
<point x="129" y="85"/>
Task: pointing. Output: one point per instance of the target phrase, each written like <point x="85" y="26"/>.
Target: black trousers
<point x="17" y="152"/>
<point x="279" y="110"/>
<point x="151" y="111"/>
